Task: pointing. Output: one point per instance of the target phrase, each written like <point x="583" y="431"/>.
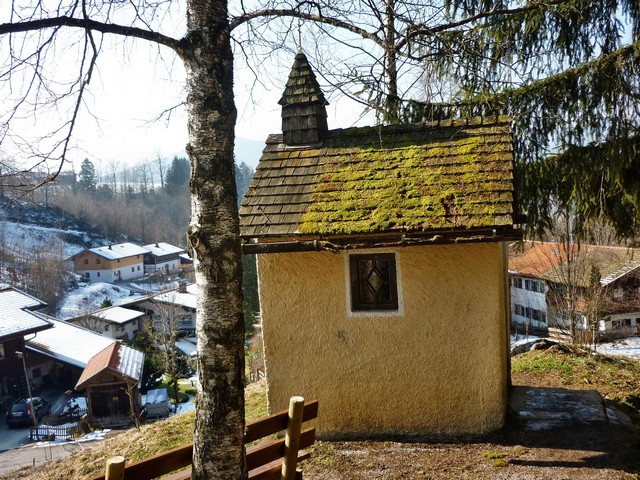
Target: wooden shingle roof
<point x="302" y="85"/>
<point x="400" y="179"/>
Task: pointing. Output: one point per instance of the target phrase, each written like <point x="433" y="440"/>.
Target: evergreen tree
<point x="87" y="179"/>
<point x="106" y="303"/>
<point x="244" y="174"/>
<point x="177" y="177"/>
<point x="104" y="192"/>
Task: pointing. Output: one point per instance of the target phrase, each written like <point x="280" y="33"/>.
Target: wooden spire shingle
<point x="304" y="116"/>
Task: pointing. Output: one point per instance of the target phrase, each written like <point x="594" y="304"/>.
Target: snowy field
<point x="88" y="297"/>
<point x="22" y="237"/>
<point x="624" y="347"/>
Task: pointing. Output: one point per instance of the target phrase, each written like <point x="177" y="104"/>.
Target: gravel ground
<point x="601" y="450"/>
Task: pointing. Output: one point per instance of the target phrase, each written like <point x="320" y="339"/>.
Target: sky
<point x="135" y="81"/>
<point x="122" y="118"/>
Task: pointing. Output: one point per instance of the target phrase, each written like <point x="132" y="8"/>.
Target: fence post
<point x="115" y="468"/>
<point x="292" y="440"/>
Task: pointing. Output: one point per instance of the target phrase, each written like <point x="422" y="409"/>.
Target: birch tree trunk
<point x="213" y="236"/>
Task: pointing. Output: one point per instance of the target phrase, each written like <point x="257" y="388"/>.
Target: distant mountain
<point x="248" y="151"/>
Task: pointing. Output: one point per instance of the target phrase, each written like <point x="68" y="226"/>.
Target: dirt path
<point x="28" y="455"/>
<point x="603" y="452"/>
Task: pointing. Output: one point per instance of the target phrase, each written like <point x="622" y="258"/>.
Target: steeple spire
<point x="304" y="116"/>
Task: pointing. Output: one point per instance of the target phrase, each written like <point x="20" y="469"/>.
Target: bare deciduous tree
<point x="35" y="39"/>
<point x="166" y="327"/>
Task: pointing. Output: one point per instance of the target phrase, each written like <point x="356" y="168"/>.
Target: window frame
<point x="357" y="303"/>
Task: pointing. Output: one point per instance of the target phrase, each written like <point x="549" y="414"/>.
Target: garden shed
<point x="111" y="380"/>
<point x="382" y="268"/>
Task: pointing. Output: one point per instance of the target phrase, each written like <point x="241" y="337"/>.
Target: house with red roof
<point x="111" y="381"/>
<point x="596" y="286"/>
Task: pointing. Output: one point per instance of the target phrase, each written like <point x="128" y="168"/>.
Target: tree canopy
<point x="177" y="177"/>
<point x="565" y="70"/>
<point x="87" y="178"/>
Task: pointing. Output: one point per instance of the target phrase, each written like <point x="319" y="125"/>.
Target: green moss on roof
<point x="403" y="191"/>
<point x="381" y="179"/>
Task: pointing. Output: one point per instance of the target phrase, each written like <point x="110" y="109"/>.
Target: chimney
<point x="182" y="286"/>
<point x="304" y="116"/>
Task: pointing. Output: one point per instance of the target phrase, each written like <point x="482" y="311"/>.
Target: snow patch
<point x="625" y="347"/>
<point x="89" y="297"/>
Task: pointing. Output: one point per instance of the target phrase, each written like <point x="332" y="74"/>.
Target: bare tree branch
<point x="293" y="13"/>
<point x="88" y="24"/>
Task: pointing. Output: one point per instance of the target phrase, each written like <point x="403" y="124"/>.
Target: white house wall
<point x="95" y="276"/>
<point x="623" y="322"/>
<point x="528" y="299"/>
<point x="116" y="331"/>
<point x="128" y="272"/>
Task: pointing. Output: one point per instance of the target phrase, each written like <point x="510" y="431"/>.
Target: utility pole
<point x="26" y="377"/>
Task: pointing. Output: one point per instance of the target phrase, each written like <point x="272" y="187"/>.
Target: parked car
<point x="20" y="412"/>
<point x="156" y="403"/>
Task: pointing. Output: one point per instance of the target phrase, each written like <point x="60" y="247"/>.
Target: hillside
<point x="27" y="228"/>
<point x="603" y="451"/>
<point x="38" y="238"/>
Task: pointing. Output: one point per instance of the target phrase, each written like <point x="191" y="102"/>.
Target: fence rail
<point x="68" y="431"/>
<point x="65" y="427"/>
<point x="266" y="460"/>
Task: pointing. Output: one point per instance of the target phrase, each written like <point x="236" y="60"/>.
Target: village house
<point x="175" y="308"/>
<point x="601" y="283"/>
<point x="111" y="263"/>
<point x="106" y="371"/>
<point x="383" y="268"/>
<point x="57" y="354"/>
<point x="20" y="319"/>
<point x="62" y="352"/>
<point x="118" y="323"/>
<point x="162" y="257"/>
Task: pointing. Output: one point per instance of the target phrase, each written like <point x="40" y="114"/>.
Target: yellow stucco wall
<point x="439" y="365"/>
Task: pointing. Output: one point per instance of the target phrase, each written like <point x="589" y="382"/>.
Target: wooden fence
<point x="65" y="428"/>
<point x="269" y="459"/>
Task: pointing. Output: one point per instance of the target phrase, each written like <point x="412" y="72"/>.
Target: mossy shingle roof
<point x="454" y="175"/>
